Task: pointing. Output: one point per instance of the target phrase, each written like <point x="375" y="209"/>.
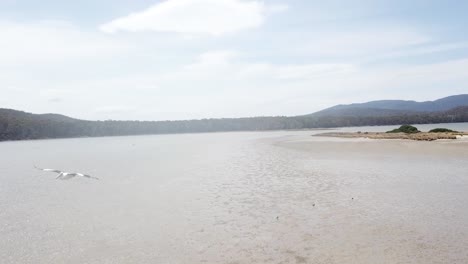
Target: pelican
<point x="63" y="175"/>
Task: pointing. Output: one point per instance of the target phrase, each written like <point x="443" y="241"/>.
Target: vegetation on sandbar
<point x="442" y="130"/>
<point x="403" y="132"/>
<point x="407" y="129"/>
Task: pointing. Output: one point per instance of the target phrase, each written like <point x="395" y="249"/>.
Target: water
<point x="270" y="197"/>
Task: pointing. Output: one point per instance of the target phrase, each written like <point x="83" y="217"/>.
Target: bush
<point x="405" y="129"/>
<point x="442" y="130"/>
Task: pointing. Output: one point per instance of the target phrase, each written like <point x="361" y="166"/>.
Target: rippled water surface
<point x="267" y="197"/>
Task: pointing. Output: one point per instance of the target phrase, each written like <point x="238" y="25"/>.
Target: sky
<point x="192" y="59"/>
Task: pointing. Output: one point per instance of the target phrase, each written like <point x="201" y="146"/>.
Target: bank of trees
<point x="17" y="125"/>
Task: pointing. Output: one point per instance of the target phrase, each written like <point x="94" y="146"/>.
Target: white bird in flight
<point x="63" y="175"/>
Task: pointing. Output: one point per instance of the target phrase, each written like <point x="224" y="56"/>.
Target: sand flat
<point x="274" y="197"/>
<point x="422" y="136"/>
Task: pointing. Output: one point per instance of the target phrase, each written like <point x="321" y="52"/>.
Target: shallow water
<point x="268" y="197"/>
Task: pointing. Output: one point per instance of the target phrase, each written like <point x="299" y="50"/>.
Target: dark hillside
<point x="18" y="125"/>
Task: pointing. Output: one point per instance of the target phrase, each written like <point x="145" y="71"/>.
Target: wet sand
<point x="279" y="197"/>
<point x="409" y="201"/>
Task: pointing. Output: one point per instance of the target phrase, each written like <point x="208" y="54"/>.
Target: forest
<point x="18" y="125"/>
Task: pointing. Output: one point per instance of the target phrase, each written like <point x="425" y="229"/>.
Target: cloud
<point x="229" y="65"/>
<point x="114" y="109"/>
<point x="259" y="88"/>
<point x="360" y="42"/>
<point x="311" y="70"/>
<point x="53" y="41"/>
<point x="212" y="17"/>
<point x="277" y="8"/>
<point x="285" y="71"/>
<point x="55" y="100"/>
<point x="226" y="83"/>
<point x="426" y="49"/>
<point x="214" y="59"/>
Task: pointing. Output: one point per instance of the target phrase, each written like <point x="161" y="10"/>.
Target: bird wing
<point x="49" y="170"/>
<point x="91" y="177"/>
<point x="67" y="176"/>
<point x="87" y="176"/>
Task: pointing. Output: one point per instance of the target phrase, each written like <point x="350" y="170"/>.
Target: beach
<point x="421" y="136"/>
<point x="253" y="197"/>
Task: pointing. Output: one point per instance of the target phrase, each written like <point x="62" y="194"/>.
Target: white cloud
<point x="225" y="84"/>
<point x="359" y="42"/>
<point x="213" y="17"/>
<point x="311" y="70"/>
<point x="114" y="109"/>
<point x="228" y="64"/>
<point x="153" y="76"/>
<point x="425" y="49"/>
<point x="277" y="8"/>
<point x="213" y="59"/>
<point x="52" y="41"/>
<point x="266" y="88"/>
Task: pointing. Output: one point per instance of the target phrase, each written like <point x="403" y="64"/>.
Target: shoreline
<point x="421" y="136"/>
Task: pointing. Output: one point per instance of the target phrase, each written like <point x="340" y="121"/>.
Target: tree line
<point x="17" y="125"/>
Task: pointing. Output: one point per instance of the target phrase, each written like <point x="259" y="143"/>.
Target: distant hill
<point x="57" y="117"/>
<point x="19" y="125"/>
<point x="338" y="111"/>
<point x="394" y="107"/>
<point x="457" y="111"/>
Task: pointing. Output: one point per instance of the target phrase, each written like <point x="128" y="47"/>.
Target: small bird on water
<point x="63" y="175"/>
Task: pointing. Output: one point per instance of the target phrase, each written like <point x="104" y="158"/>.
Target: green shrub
<point x="405" y="129"/>
<point x="441" y="130"/>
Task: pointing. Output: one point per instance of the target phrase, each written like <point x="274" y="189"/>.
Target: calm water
<point x="271" y="197"/>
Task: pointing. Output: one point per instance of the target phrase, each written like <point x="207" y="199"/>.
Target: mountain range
<point x="395" y="107"/>
<point x="19" y="125"/>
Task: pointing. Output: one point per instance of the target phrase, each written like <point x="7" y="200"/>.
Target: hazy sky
<point x="184" y="59"/>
